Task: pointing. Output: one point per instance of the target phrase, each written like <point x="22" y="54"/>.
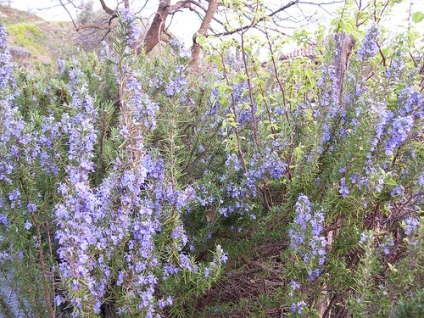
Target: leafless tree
<point x="218" y="18"/>
<point x="92" y="25"/>
<point x="6" y="2"/>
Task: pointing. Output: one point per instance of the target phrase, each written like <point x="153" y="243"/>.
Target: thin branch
<point x="321" y="3"/>
<point x="94" y="26"/>
<point x="262" y="266"/>
<point x="204" y="10"/>
<point x="179" y="5"/>
<point x="204" y="27"/>
<point x="253" y="24"/>
<point x="69" y="13"/>
<point x="106" y="8"/>
<point x="145" y="4"/>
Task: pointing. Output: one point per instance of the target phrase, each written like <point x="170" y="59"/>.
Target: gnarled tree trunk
<point x="157" y="27"/>
<point x="204" y="27"/>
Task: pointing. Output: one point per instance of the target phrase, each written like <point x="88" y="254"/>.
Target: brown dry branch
<point x="204" y="27"/>
<point x="249" y="277"/>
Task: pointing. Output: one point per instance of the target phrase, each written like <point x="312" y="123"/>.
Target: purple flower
<point x="220" y="256"/>
<point x="27" y="225"/>
<point x="14" y="195"/>
<point x="176" y="86"/>
<point x="3" y="219"/>
<point x="233" y="161"/>
<point x="127" y="16"/>
<point x="326" y="136"/>
<point x="396" y="191"/>
<point x="120" y="278"/>
<point x="354" y="178"/>
<point x="31" y="207"/>
<point x="133" y="32"/>
<point x="61" y="66"/>
<point x="314" y="274"/>
<point x="178" y="233"/>
<point x="370" y="45"/>
<point x="420" y="180"/>
<point x="105" y="52"/>
<point x="58" y="300"/>
<point x="298" y="307"/>
<point x="305" y="235"/>
<point x="175" y="43"/>
<point x="295" y="285"/>
<point x="399" y="131"/>
<point x="396" y="68"/>
<point x="5" y="57"/>
<point x="343" y="190"/>
<point x="186" y="263"/>
<point x="411" y="224"/>
<point x="170" y="270"/>
<point x="411" y="102"/>
<point x="139" y="106"/>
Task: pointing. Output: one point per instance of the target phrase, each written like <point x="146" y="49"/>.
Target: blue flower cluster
<point x="177" y="86"/>
<point x="143" y="109"/>
<point x="398" y="132"/>
<point x="80" y="212"/>
<point x="298" y="307"/>
<point x="5" y="57"/>
<point x="132" y="29"/>
<point x="370" y="45"/>
<point x="306" y="240"/>
<point x="411" y="224"/>
<point x="118" y="220"/>
<point x="237" y="186"/>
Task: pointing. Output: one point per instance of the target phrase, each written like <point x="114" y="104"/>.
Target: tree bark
<point x="344" y="46"/>
<point x="106" y="8"/>
<point x="204" y="27"/>
<point x="157" y="27"/>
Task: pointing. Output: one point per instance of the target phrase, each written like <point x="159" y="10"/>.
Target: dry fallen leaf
<point x="209" y="214"/>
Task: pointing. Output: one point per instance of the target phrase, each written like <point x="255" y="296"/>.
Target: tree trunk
<point x="158" y="25"/>
<point x="344" y="46"/>
<point x="204" y="27"/>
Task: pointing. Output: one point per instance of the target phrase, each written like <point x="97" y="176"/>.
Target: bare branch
<point x="204" y="27"/>
<point x="153" y="34"/>
<point x="106" y="8"/>
<point x="69" y="13"/>
<point x="165" y="39"/>
<point x="254" y="23"/>
<point x="320" y="4"/>
<point x="197" y="4"/>
<point x="94" y="26"/>
<point x="145" y="4"/>
<point x="179" y="5"/>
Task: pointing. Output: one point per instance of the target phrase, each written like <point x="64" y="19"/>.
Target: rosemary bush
<point x="126" y="183"/>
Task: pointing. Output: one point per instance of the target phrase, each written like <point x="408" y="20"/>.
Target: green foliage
<point x="312" y="187"/>
<point x="417" y="17"/>
<point x="24" y="34"/>
<point x="411" y="308"/>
